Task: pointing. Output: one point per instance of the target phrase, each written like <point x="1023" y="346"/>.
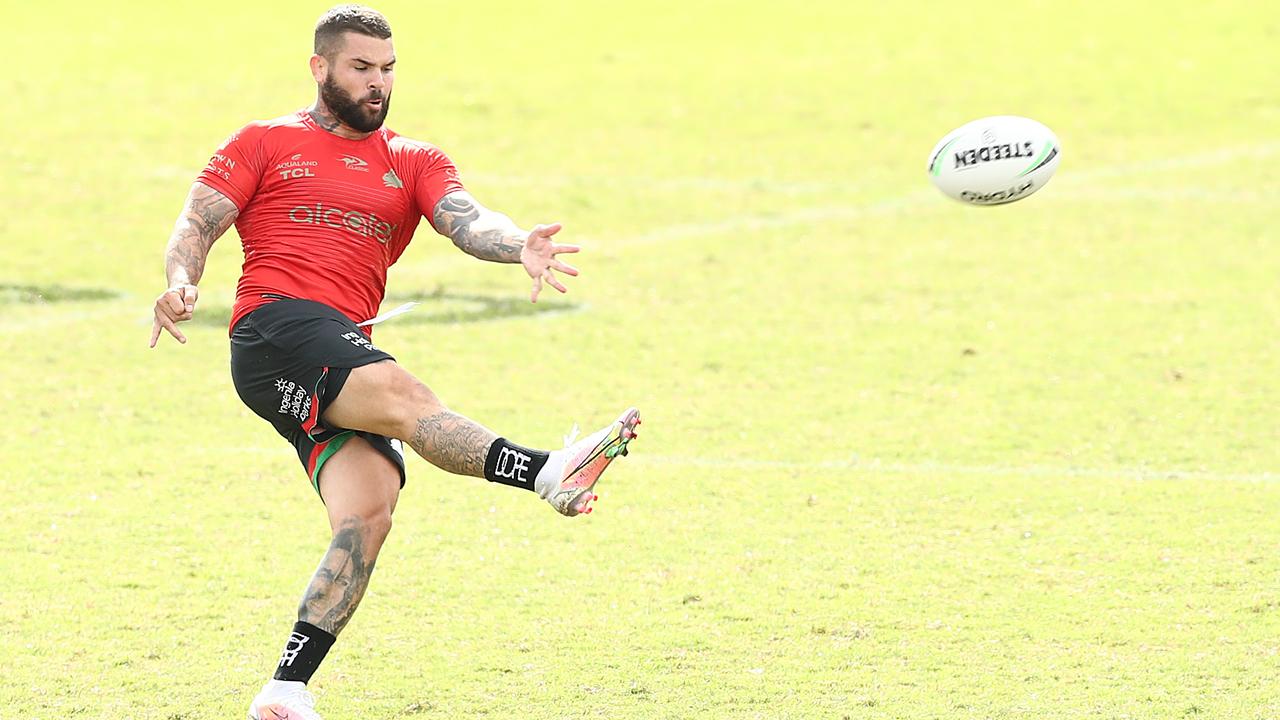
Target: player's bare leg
<point x="386" y="399"/>
<point x="359" y="487"/>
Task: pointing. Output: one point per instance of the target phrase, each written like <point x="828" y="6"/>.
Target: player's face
<point x="357" y="81"/>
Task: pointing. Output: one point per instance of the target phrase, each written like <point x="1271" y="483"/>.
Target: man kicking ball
<point x="325" y="200"/>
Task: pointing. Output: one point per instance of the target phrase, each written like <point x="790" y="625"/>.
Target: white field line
<point x="775" y="186"/>
<point x="748" y="223"/>
<point x="1192" y="161"/>
<point x="1178" y="194"/>
<point x="783" y="186"/>
<point x="925" y="196"/>
<point x="929" y="196"/>
<point x="880" y="467"/>
<point x="118" y="307"/>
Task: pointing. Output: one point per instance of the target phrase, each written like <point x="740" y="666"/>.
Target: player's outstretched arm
<point x="205" y="217"/>
<point x="490" y="235"/>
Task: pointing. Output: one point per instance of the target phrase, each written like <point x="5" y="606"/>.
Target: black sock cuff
<point x="511" y="464"/>
<point x="304" y="652"/>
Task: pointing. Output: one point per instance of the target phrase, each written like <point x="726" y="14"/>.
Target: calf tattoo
<point x="340" y="581"/>
<point x="452" y="442"/>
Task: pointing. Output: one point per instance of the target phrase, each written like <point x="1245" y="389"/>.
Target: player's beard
<point x="353" y="113"/>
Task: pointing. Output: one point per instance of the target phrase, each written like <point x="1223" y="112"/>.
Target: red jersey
<point x="323" y="217"/>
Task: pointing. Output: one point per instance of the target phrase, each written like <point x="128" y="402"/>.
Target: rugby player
<point x="325" y="200"/>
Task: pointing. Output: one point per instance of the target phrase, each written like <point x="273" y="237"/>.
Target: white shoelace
<point x="573" y="435"/>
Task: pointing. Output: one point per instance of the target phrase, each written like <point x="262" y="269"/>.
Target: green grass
<point x="902" y="458"/>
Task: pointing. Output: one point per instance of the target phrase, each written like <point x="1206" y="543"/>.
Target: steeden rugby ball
<point x="995" y="160"/>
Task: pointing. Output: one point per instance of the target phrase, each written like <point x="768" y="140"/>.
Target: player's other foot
<point x="283" y="700"/>
<point x="585" y="461"/>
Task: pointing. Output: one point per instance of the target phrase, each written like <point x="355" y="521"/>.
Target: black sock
<point x="303" y="653"/>
<point x="510" y="464"/>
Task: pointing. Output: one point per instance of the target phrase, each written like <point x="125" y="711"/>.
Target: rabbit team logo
<point x="354" y="163"/>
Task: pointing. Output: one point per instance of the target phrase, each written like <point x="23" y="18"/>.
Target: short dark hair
<point x="348" y="18"/>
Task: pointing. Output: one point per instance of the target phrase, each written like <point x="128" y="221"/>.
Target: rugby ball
<point x="995" y="160"/>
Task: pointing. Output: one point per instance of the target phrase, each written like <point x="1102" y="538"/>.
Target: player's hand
<point x="175" y="305"/>
<point x="539" y="258"/>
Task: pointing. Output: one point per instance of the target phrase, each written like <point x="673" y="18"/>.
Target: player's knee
<point x="412" y="401"/>
<point x="378" y="523"/>
<point x="370" y="525"/>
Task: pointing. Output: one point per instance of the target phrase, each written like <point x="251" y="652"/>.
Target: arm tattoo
<point x="206" y="216"/>
<point x="452" y="442"/>
<point x="340" y="581"/>
<point x="476" y="230"/>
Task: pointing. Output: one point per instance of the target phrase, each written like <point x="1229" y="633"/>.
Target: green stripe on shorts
<point x="334" y="445"/>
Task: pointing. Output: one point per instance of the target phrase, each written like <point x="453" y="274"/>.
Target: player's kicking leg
<point x="384" y="398"/>
<point x="359" y="486"/>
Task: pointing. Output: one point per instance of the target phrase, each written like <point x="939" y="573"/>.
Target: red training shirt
<point x="323" y="217"/>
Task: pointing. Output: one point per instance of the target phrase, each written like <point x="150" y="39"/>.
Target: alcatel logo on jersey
<point x="354" y="163"/>
<point x="365" y="225"/>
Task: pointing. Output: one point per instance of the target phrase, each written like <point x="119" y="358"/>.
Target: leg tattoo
<point x="340" y="581"/>
<point x="452" y="442"/>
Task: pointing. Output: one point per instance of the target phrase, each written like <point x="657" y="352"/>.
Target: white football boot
<point x="284" y="700"/>
<point x="570" y="491"/>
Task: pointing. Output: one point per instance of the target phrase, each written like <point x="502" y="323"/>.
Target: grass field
<point x="901" y="458"/>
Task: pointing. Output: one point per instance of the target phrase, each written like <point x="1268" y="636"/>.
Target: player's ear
<point x="319" y="67"/>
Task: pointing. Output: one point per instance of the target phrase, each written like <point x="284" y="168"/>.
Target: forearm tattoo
<point x="206" y="216"/>
<point x="478" y="231"/>
<point x="340" y="581"/>
<point x="452" y="442"/>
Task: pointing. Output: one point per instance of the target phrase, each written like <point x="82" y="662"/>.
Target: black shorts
<point x="289" y="360"/>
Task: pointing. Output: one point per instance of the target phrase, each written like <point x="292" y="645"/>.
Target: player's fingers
<point x="547" y="230"/>
<point x="537" y="288"/>
<point x="155" y="331"/>
<point x="172" y="327"/>
<point x="564" y="267"/>
<point x="189" y="295"/>
<point x="173" y="304"/>
<point x="165" y="311"/>
<point x="553" y="281"/>
<point x="557" y="249"/>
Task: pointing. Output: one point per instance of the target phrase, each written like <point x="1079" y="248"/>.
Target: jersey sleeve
<point x="437" y="177"/>
<point x="236" y="168"/>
